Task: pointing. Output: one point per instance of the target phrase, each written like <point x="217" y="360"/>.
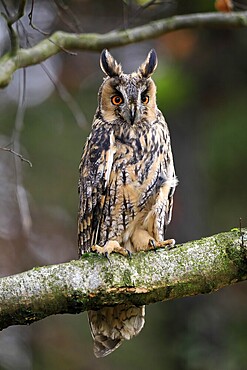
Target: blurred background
<point x="46" y="114"/>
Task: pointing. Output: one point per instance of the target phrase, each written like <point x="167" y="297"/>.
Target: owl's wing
<point x="172" y="182"/>
<point x="169" y="206"/>
<point x="95" y="169"/>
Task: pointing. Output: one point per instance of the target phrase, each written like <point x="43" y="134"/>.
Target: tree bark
<point x="62" y="41"/>
<point x="197" y="267"/>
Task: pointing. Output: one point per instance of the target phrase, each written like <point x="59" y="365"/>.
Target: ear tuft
<point x="149" y="65"/>
<point x="109" y="65"/>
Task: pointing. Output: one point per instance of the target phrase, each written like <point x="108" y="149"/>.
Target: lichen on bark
<point x="196" y="267"/>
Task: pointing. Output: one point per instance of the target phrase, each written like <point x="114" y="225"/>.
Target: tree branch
<point x="96" y="42"/>
<point x="196" y="267"/>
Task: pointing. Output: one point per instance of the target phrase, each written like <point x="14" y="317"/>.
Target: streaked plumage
<point x="126" y="185"/>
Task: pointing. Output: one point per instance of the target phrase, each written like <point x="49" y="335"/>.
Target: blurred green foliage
<point x="226" y="157"/>
<point x="174" y="87"/>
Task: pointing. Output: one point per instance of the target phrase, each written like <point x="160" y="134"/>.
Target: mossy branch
<point x="60" y="41"/>
<point x="196" y="267"/>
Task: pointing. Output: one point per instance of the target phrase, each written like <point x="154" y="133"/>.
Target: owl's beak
<point x="133" y="114"/>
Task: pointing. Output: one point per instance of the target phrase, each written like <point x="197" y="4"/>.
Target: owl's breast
<point x="138" y="173"/>
<point x="133" y="191"/>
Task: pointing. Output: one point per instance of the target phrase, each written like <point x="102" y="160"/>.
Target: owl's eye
<point x="116" y="100"/>
<point x="145" y="99"/>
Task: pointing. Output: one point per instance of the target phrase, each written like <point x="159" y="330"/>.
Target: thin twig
<point x="138" y="12"/>
<point x="62" y="7"/>
<point x="10" y="20"/>
<point x="21" y="193"/>
<point x="19" y="14"/>
<point x="67" y="98"/>
<point x="44" y="33"/>
<point x="62" y="91"/>
<point x="5" y="8"/>
<point x="30" y="17"/>
<point x="73" y="53"/>
<point x="17" y="154"/>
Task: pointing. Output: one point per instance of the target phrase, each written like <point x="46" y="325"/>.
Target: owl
<point x="126" y="185"/>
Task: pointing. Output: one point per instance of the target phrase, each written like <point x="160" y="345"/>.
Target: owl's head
<point x="127" y="98"/>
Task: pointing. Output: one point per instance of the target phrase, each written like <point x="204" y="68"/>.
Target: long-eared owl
<point x="126" y="185"/>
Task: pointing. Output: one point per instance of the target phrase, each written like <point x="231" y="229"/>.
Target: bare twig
<point x="62" y="91"/>
<point x="10" y="20"/>
<point x="67" y="98"/>
<point x="17" y="154"/>
<point x="96" y="42"/>
<point x="19" y="14"/>
<point x="30" y="17"/>
<point x="21" y="193"/>
<point x="7" y="12"/>
<point x="151" y="3"/>
<point x="74" y="24"/>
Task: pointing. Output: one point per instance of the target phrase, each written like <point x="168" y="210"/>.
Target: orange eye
<point x="145" y="99"/>
<point x="116" y="100"/>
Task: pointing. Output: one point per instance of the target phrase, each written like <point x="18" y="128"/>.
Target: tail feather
<point x="103" y="346"/>
<point x="110" y="326"/>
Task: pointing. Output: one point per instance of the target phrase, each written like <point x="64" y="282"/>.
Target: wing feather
<point x="95" y="170"/>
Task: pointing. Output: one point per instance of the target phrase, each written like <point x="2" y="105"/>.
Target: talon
<point x="129" y="253"/>
<point x="171" y="245"/>
<point x="106" y="255"/>
<point x="168" y="244"/>
<point x="152" y="244"/>
<point x="95" y="248"/>
<point x="110" y="247"/>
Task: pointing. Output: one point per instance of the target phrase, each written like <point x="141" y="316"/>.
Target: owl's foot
<point x="168" y="244"/>
<point x="110" y="247"/>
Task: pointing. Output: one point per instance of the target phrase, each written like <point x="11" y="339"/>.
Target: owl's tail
<point x="111" y="325"/>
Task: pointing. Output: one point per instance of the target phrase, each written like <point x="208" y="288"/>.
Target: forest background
<point x="48" y="109"/>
